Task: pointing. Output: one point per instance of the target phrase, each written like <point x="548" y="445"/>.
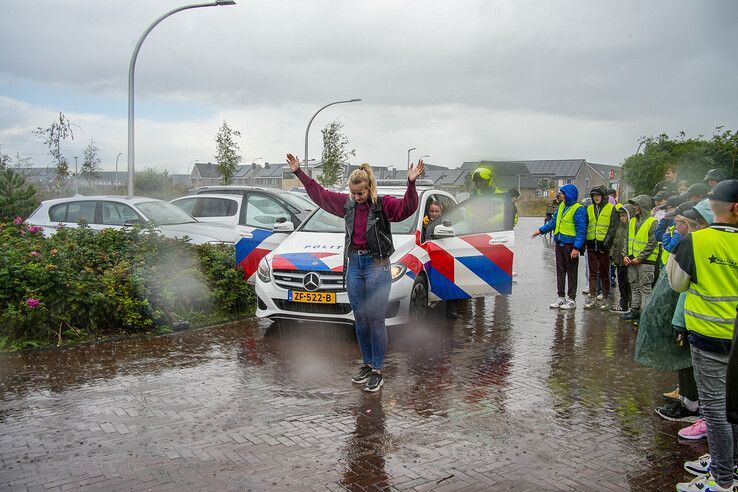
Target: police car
<point x="467" y="252"/>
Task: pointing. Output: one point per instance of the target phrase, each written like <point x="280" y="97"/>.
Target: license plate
<point x="314" y="297"/>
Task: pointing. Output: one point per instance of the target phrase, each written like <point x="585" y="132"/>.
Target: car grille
<point x="310" y="308"/>
<point x="292" y="280"/>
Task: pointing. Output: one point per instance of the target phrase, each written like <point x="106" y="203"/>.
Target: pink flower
<point x="17" y="220"/>
<point x="34" y="229"/>
<point x="32" y="303"/>
<point x="35" y="254"/>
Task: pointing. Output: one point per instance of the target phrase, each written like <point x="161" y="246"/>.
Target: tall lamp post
<point x="132" y="69"/>
<point x="307" y="130"/>
<point x="116" y="167"/>
<point x="408" y="156"/>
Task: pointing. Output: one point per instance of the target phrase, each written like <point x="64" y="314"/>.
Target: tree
<point x="335" y="154"/>
<point x="692" y="157"/>
<point x="227" y="152"/>
<point x="52" y="137"/>
<point x="90" y="163"/>
<point x="17" y="196"/>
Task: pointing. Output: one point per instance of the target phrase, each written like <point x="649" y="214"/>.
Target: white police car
<point x="465" y="253"/>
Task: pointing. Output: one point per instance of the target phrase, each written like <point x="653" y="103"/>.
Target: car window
<point x="186" y="204"/>
<point x="77" y="211"/>
<point x="480" y="214"/>
<point x="214" y="207"/>
<point x="58" y="213"/>
<point x="117" y="214"/>
<point x="263" y="211"/>
<point x="164" y="213"/>
<point x="298" y="201"/>
<point x="322" y="221"/>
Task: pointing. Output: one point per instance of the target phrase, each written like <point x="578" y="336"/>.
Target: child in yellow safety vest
<point x="602" y="222"/>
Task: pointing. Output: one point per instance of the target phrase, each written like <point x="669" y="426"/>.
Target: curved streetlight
<point x="132" y="69"/>
<point x="307" y="130"/>
<point x="408" y="156"/>
<point x="116" y="167"/>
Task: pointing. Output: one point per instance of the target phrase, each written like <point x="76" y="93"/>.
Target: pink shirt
<point x="395" y="209"/>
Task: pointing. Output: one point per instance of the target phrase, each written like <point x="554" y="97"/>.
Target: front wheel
<point x="418" y="300"/>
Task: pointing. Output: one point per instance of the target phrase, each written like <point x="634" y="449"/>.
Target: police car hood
<point x="322" y="251"/>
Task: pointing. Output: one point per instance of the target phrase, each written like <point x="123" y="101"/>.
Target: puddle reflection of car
<point x="117" y="212"/>
<point x="465" y="253"/>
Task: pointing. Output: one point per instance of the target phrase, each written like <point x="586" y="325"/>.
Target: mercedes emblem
<point x="311" y="281"/>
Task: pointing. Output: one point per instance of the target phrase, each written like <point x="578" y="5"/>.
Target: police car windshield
<point x="322" y="221"/>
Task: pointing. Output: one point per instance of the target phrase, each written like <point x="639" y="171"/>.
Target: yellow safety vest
<point x="565" y="221"/>
<point x="709" y="308"/>
<point x="597" y="227"/>
<point x="618" y="206"/>
<point x="664" y="253"/>
<point x="637" y="240"/>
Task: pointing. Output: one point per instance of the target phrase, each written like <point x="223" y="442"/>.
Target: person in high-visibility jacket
<point x="483" y="181"/>
<point x="705" y="266"/>
<point x="569" y="223"/>
<point x="640" y="255"/>
<point x="602" y="222"/>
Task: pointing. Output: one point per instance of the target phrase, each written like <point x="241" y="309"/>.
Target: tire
<point x="418" y="299"/>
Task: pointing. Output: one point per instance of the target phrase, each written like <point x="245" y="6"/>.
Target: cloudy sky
<point x="459" y="80"/>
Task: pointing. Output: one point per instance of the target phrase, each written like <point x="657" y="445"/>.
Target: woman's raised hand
<point x="294" y="162"/>
<point x="416" y="170"/>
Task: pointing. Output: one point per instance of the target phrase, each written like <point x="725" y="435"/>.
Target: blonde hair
<point x="365" y="175"/>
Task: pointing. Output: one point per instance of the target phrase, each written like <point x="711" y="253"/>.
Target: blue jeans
<point x="710" y="369"/>
<point x="368" y="283"/>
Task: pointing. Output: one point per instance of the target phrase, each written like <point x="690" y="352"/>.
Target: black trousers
<point x="687" y="384"/>
<point x="623" y="286"/>
<point x="731" y="378"/>
<point x="566" y="271"/>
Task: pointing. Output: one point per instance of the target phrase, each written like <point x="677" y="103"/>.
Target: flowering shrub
<point x="82" y="284"/>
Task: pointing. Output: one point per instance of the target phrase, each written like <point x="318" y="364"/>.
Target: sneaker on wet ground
<point x="558" y="303"/>
<point x="375" y="382"/>
<point x="569" y="304"/>
<point x="600" y="297"/>
<point x="362" y="376"/>
<point x="585" y="291"/>
<point x="618" y="310"/>
<point x="589" y="302"/>
<point x="701" y="466"/>
<point x="703" y="483"/>
<point x="698" y="430"/>
<point x="632" y="315"/>
<point x="676" y="411"/>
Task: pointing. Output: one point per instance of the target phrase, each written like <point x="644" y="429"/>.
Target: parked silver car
<point x="109" y="211"/>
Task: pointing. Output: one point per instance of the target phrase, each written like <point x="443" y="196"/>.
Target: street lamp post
<point x="132" y="69"/>
<point x="76" y="176"/>
<point x="116" y="167"/>
<point x="307" y="130"/>
<point x="408" y="156"/>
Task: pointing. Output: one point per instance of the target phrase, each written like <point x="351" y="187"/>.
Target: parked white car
<point x="220" y="209"/>
<point x="465" y="253"/>
<point x="117" y="212"/>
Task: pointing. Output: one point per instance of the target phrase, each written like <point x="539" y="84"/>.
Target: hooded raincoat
<point x="580" y="220"/>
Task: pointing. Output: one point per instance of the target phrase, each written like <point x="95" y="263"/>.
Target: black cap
<point x="698" y="189"/>
<point x="662" y="195"/>
<point x="611" y="191"/>
<point x="716" y="174"/>
<point x="725" y="191"/>
<point x="675" y="201"/>
<point x="680" y="209"/>
<point x="693" y="214"/>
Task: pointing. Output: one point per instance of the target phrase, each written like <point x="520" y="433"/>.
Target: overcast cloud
<point x="461" y="80"/>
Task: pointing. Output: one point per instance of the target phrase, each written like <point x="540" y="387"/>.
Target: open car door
<point x="263" y="225"/>
<point x="471" y="248"/>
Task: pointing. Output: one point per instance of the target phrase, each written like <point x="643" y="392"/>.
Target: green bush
<point x="80" y="284"/>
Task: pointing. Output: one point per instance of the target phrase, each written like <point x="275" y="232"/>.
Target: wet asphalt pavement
<point x="512" y="395"/>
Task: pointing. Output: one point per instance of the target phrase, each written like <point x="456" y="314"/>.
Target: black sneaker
<point x="676" y="411"/>
<point x="362" y="376"/>
<point x="375" y="382"/>
<point x="632" y="315"/>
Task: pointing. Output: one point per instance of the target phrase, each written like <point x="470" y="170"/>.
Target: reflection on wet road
<point x="512" y="394"/>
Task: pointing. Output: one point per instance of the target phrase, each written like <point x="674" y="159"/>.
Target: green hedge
<point x="81" y="284"/>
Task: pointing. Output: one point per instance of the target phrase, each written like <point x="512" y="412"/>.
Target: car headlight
<point x="398" y="270"/>
<point x="263" y="271"/>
